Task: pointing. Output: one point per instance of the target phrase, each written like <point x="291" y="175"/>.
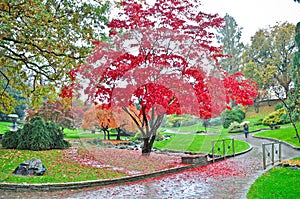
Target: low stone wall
<point x="84" y="184"/>
<point x="195" y="159"/>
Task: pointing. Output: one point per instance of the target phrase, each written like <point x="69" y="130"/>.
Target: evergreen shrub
<point x="36" y="135"/>
<point x="230" y="116"/>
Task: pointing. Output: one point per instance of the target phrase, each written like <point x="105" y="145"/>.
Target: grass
<point x="199" y="144"/>
<point x="276" y="183"/>
<point x="89" y="163"/>
<point x="4" y="127"/>
<point x="60" y="168"/>
<point x="79" y="133"/>
<point x="286" y="133"/>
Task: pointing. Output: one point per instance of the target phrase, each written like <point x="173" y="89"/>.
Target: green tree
<point x="230" y="37"/>
<point x="292" y="102"/>
<point x="41" y="41"/>
<point x="294" y="95"/>
<point x="268" y="60"/>
<point x="20" y="106"/>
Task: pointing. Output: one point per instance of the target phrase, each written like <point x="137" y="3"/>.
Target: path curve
<point x="230" y="178"/>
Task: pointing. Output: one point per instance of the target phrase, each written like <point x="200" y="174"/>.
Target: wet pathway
<point x="230" y="178"/>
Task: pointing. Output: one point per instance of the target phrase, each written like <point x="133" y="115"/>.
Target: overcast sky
<point x="254" y="14"/>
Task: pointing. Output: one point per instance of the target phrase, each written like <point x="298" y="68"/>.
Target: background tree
<point x="41" y="41"/>
<point x="268" y="60"/>
<point x="156" y="64"/>
<point x="58" y="111"/>
<point x="106" y="120"/>
<point x="18" y="105"/>
<point x="89" y="120"/>
<point x="229" y="37"/>
<point x="292" y="103"/>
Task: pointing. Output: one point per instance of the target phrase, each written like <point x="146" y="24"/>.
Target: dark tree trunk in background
<point x="118" y="135"/>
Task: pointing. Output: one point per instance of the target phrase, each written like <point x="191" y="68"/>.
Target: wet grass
<point x="286" y="133"/>
<point x="276" y="183"/>
<point x="4" y="127"/>
<point x="60" y="168"/>
<point x="199" y="144"/>
<point x="79" y="133"/>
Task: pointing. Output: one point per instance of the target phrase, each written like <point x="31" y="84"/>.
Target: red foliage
<point x="164" y="59"/>
<point x="117" y="159"/>
<point x="168" y="72"/>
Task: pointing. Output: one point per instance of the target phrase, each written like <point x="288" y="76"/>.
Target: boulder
<point x="30" y="167"/>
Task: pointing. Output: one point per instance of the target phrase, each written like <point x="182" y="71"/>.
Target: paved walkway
<point x="230" y="178"/>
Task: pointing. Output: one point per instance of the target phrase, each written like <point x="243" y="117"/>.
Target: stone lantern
<point x="14" y="118"/>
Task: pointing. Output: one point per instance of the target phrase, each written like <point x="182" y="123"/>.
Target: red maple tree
<point x="160" y="59"/>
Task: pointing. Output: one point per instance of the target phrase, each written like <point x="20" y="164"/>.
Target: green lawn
<point x="59" y="168"/>
<point x="80" y="133"/>
<point x="4" y="127"/>
<point x="285" y="133"/>
<point x="198" y="144"/>
<point x="276" y="183"/>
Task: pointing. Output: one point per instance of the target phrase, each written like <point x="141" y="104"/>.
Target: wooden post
<point x="233" y="149"/>
<point x="273" y="154"/>
<point x="224" y="149"/>
<point x="264" y="155"/>
<point x="213" y="150"/>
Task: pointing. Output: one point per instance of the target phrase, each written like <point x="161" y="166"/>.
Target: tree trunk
<point x="148" y="143"/>
<point x="289" y="111"/>
<point x="104" y="132"/>
<point x="118" y="135"/>
<point x="256" y="105"/>
<point x="108" y="135"/>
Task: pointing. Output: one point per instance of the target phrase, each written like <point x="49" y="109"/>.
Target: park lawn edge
<point x="276" y="183"/>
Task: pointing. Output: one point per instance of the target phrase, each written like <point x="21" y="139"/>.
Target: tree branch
<point x="4" y="89"/>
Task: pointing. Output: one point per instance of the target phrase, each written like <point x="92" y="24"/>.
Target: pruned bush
<point x="230" y="116"/>
<point x="274" y="118"/>
<point x="235" y="127"/>
<point x="36" y="135"/>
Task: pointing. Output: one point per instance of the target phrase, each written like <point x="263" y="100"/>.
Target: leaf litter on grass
<point x="130" y="162"/>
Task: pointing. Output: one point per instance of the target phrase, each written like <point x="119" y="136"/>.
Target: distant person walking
<point x="246" y="130"/>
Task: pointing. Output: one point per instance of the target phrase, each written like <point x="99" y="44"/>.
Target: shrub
<point x="215" y="121"/>
<point x="278" y="106"/>
<point x="230" y="116"/>
<point x="36" y="135"/>
<point x="181" y="120"/>
<point x="285" y="117"/>
<point x="274" y="118"/>
<point x="235" y="127"/>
